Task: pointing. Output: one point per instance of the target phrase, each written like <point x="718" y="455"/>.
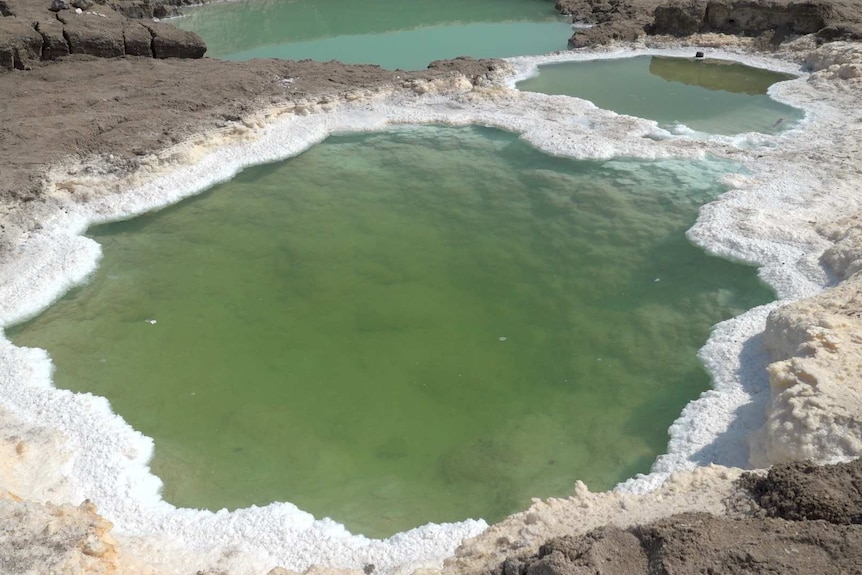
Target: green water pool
<point x="713" y="96"/>
<point x="427" y="324"/>
<point x="391" y="33"/>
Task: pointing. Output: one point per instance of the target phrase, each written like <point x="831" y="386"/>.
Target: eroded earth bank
<point x="96" y="103"/>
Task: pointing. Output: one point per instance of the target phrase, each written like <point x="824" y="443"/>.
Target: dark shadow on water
<point x="742" y="290"/>
<point x="141" y="222"/>
<point x="651" y="420"/>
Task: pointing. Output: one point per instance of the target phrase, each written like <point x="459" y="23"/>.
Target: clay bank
<point x="90" y="138"/>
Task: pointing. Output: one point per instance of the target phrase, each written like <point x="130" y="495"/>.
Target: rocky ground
<point x="775" y="20"/>
<point x="799" y="518"/>
<point x="37" y="30"/>
<point x="99" y="84"/>
<point x="92" y="104"/>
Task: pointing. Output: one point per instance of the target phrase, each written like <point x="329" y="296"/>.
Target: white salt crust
<point x="763" y="219"/>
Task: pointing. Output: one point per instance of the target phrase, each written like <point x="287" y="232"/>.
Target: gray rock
<point x="103" y="13"/>
<point x="96" y="36"/>
<point x="58" y="5"/>
<point x="20" y="44"/>
<point x="171" y="42"/>
<point x="82" y="4"/>
<point x="678" y="20"/>
<point x="148" y="9"/>
<point x="5" y="9"/>
<point x="54" y="44"/>
<point x="138" y="40"/>
<point x="754" y="17"/>
<point x="7" y="54"/>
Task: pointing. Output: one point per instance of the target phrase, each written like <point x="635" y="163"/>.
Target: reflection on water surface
<point x="390" y="33"/>
<point x="712" y="96"/>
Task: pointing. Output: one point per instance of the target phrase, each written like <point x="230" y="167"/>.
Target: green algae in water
<point x="391" y="33"/>
<point x="428" y="324"/>
<point x="713" y="96"/>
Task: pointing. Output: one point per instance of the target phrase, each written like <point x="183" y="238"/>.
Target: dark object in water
<point x="778" y="122"/>
<point x="698" y="54"/>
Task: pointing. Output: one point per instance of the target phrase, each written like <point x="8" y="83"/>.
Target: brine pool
<point x="426" y="324"/>
<point x="390" y="33"/>
<point x="705" y="95"/>
<point x="423" y="324"/>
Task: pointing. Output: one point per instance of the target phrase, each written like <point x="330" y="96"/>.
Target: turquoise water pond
<point x="427" y="324"/>
<point x="713" y="96"/>
<point x="391" y="33"/>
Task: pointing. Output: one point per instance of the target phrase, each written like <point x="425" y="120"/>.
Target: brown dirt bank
<point x="124" y="108"/>
<point x="699" y="543"/>
<point x="804" y="519"/>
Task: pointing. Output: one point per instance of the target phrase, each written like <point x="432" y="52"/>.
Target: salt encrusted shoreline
<point x="815" y="407"/>
<point x="36" y="460"/>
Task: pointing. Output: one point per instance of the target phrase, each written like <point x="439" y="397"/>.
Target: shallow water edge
<point x="314" y="260"/>
<point x="110" y="458"/>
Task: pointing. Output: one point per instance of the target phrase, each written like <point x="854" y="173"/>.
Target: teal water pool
<point x="391" y="33"/>
<point x="427" y="324"/>
<point x="713" y="96"/>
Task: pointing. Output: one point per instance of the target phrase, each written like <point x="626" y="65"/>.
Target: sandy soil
<point x="110" y="116"/>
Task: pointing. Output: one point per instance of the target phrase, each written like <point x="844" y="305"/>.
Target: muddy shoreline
<point x="84" y="118"/>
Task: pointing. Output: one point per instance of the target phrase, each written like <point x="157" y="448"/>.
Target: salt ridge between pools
<point x="108" y="461"/>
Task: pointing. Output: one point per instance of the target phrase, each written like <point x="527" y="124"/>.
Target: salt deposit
<point x="769" y="218"/>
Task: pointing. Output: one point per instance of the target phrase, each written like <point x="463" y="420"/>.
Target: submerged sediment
<point x="141" y="127"/>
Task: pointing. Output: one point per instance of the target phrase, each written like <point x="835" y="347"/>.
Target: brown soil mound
<point x="813" y="528"/>
<point x="698" y="543"/>
<point x="799" y="491"/>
